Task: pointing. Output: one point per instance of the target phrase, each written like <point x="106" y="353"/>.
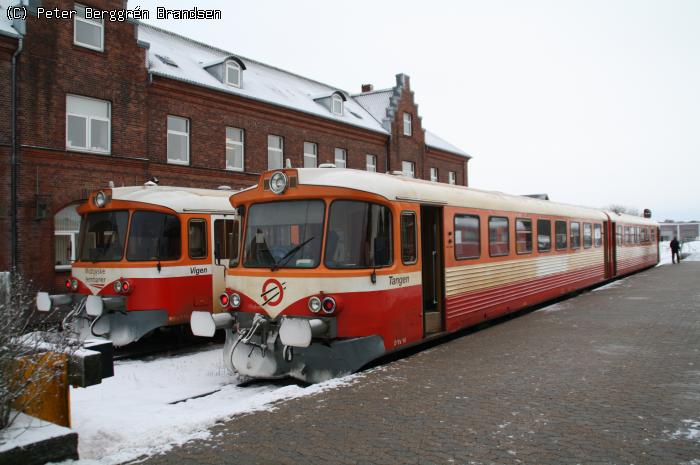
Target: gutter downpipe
<point x="13" y="169"/>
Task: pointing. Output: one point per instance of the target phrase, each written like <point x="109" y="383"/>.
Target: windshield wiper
<point x="283" y="260"/>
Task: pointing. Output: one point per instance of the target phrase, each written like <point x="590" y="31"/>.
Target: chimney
<point x="367" y="88"/>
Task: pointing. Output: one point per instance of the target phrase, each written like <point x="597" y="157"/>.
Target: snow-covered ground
<point x="137" y="412"/>
<point x="692" y="248"/>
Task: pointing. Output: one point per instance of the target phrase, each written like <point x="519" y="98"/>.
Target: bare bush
<point x="29" y="361"/>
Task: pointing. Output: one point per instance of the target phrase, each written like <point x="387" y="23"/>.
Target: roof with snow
<point x="6" y="28"/>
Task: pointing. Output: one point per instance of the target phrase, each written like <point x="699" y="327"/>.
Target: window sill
<point x="178" y="162"/>
<point x="83" y="150"/>
<point x="63" y="267"/>
<point x="238" y="170"/>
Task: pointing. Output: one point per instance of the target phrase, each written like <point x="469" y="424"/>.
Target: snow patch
<point x="148" y="407"/>
<point x="689" y="431"/>
<point x="611" y="285"/>
<point x="26" y="430"/>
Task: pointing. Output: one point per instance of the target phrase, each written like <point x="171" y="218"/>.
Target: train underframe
<point x="91" y="316"/>
<point x="303" y="348"/>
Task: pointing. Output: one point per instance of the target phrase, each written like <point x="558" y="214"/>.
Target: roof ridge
<point x="212" y="47"/>
<point x="388" y="89"/>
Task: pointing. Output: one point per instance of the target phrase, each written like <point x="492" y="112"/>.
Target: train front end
<point x="319" y="289"/>
<point x="142" y="264"/>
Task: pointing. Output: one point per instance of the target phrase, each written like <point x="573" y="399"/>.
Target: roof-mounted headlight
<point x="100" y="199"/>
<point x="278" y="182"/>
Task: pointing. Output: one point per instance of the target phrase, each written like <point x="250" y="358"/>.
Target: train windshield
<point x="286" y="234"/>
<point x="103" y="235"/>
<point x="154" y="236"/>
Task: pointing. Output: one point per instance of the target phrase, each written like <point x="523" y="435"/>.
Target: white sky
<point x="591" y="101"/>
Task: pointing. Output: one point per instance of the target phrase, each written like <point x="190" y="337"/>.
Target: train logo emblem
<point x="272" y="292"/>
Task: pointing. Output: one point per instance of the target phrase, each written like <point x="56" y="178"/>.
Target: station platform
<point x="611" y="376"/>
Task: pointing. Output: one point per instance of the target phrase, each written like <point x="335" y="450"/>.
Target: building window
<point x="235" y="151"/>
<point x="499" y="241"/>
<point x="341" y="158"/>
<point x="337" y="104"/>
<point x="88" y="33"/>
<point x="88" y="124"/>
<point x="467" y="237"/>
<point x="371" y="163"/>
<point x="453" y="177"/>
<point x="434" y="174"/>
<point x="233" y="74"/>
<point x="66" y="228"/>
<point x="275" y="152"/>
<point x="523" y="235"/>
<point x="407" y="124"/>
<point x="560" y="234"/>
<point x="197" y="238"/>
<point x="544" y="235"/>
<point x="409" y="245"/>
<point x="178" y="140"/>
<point x="408" y="168"/>
<point x="310" y="155"/>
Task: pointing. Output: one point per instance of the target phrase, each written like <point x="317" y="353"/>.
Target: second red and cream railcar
<point x="338" y="267"/>
<point x="147" y="257"/>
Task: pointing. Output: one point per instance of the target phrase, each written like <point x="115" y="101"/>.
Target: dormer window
<point x="337" y="104"/>
<point x="233" y="74"/>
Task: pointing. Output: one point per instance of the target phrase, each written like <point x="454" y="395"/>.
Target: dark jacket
<point x="674" y="245"/>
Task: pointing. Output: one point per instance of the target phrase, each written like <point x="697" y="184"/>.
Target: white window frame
<point x="88" y="126"/>
<point x="310" y="155"/>
<point x="411" y="171"/>
<point x="337" y="99"/>
<point x="179" y="133"/>
<point x="93" y="22"/>
<point x="407" y="124"/>
<point x="241" y="144"/>
<point x="452" y="177"/>
<point x="274" y="151"/>
<point x="371" y="163"/>
<point x="434" y="175"/>
<point x="235" y="65"/>
<point x="344" y="159"/>
<point x="73" y="235"/>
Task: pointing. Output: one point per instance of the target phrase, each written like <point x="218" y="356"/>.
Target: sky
<point x="594" y="102"/>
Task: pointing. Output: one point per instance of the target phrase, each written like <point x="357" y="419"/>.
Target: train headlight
<point x="224" y="300"/>
<point x="235" y="300"/>
<point x="328" y="305"/>
<point x="118" y="287"/>
<point x="314" y="304"/>
<point x="278" y="182"/>
<point x="100" y="199"/>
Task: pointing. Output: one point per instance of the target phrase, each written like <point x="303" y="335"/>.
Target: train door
<point x="225" y="232"/>
<point x="432" y="269"/>
<point x="609" y="248"/>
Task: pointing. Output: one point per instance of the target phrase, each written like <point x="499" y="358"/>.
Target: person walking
<point x="675" y="247"/>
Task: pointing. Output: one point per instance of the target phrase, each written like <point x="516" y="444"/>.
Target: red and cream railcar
<point x="339" y="267"/>
<point x="635" y="246"/>
<point x="147" y="257"/>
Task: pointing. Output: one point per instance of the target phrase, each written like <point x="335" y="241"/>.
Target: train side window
<point x="618" y="235"/>
<point x="523" y="235"/>
<point x="636" y="235"/>
<point x="467" y="238"/>
<point x="575" y="235"/>
<point x="628" y="235"/>
<point x="409" y="245"/>
<point x="226" y="234"/>
<point x="499" y="241"/>
<point x="587" y="236"/>
<point x="197" y="238"/>
<point x="560" y="234"/>
<point x="544" y="235"/>
<point x="597" y="235"/>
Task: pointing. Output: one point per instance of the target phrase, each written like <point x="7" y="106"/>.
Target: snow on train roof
<point x="179" y="199"/>
<point x="631" y="219"/>
<point x="395" y="187"/>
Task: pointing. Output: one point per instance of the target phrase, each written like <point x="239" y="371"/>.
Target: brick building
<point x="101" y="102"/>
